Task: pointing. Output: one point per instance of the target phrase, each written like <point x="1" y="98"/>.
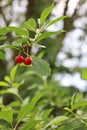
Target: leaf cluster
<point x="41" y="105"/>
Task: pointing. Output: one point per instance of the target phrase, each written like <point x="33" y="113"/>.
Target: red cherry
<point x="19" y="59"/>
<point x="27" y="61"/>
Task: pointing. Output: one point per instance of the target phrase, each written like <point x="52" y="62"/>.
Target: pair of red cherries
<point x="20" y="59"/>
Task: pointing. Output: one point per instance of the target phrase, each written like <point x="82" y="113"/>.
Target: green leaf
<point x="4" y="84"/>
<point x="48" y="34"/>
<point x="13" y="72"/>
<point x="8" y="46"/>
<point x="72" y="125"/>
<point x="22" y="32"/>
<point x="57" y="120"/>
<point x="4" y="30"/>
<point x="2" y="56"/>
<point x="39" y="46"/>
<point x="41" y="66"/>
<point x="19" y="31"/>
<point x="1" y="126"/>
<point x="10" y="90"/>
<point x="80" y="104"/>
<point x="46" y="113"/>
<point x="30" y="124"/>
<point x="26" y="109"/>
<point x="14" y="104"/>
<point x="4" y="126"/>
<point x="68" y="109"/>
<point x="84" y="73"/>
<point x="55" y="20"/>
<point x="20" y="41"/>
<point x="7" y="78"/>
<point x="79" y="97"/>
<point x="72" y="100"/>
<point x="45" y="13"/>
<point x="3" y="37"/>
<point x="6" y="115"/>
<point x="16" y="85"/>
<point x="30" y="24"/>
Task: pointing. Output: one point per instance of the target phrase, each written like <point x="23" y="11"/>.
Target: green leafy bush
<point x="41" y="105"/>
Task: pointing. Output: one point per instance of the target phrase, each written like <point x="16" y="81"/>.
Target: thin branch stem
<point x="77" y="117"/>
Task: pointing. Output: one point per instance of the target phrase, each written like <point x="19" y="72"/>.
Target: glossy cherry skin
<point x="19" y="59"/>
<point x="27" y="61"/>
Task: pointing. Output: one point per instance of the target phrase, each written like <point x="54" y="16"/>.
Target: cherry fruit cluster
<point x="20" y="59"/>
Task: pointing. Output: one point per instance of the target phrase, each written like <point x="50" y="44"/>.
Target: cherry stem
<point x="27" y="50"/>
<point x="26" y="53"/>
<point x="19" y="52"/>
